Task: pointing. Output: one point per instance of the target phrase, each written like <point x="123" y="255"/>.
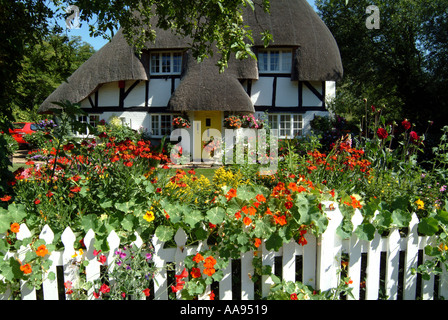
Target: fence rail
<point x="379" y="269"/>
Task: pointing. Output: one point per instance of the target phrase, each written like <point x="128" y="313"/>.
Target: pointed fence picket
<point x="379" y="269"/>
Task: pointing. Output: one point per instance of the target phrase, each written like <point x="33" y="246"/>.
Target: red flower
<point x="102" y="259"/>
<point x="288" y="205"/>
<point x="302" y="241"/>
<point x="75" y="189"/>
<point x="104" y="288"/>
<point x="293" y="296"/>
<point x="36" y="201"/>
<point x="5" y="198"/>
<point x="414" y="136"/>
<point x="382" y="133"/>
<point x="406" y="124"/>
<point x="195" y="272"/>
<point x="68" y="146"/>
<point x="128" y="164"/>
<point x="146" y="292"/>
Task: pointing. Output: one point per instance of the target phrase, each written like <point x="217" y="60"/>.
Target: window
<point x="161" y="124"/>
<point x="92" y="119"/>
<point x="275" y="61"/>
<point x="288" y="125"/>
<point x="166" y="63"/>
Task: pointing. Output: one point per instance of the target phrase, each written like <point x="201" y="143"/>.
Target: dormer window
<point x="274" y="60"/>
<point x="166" y="63"/>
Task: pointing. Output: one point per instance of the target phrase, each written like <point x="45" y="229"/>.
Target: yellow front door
<point x="206" y="125"/>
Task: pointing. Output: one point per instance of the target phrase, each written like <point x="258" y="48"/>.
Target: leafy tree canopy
<point x="402" y="65"/>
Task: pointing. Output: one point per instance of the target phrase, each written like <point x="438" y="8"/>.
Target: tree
<point x="400" y="65"/>
<point x="207" y="23"/>
<point x="44" y="67"/>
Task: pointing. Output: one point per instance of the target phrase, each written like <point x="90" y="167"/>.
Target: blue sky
<point x="98" y="42"/>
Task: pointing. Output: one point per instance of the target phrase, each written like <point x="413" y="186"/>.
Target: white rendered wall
<point x="108" y="95"/>
<point x="309" y="99"/>
<point x="159" y="92"/>
<point x="287" y="94"/>
<point x="135" y="98"/>
<point x="261" y="92"/>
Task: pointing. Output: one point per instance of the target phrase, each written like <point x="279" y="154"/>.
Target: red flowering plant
<point x="181" y="122"/>
<point x="204" y="269"/>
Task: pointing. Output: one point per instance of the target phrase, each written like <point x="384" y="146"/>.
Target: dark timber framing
<point x="300" y="108"/>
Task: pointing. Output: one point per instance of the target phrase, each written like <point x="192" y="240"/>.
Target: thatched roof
<point x="203" y="88"/>
<point x="293" y="23"/>
<point x="115" y="61"/>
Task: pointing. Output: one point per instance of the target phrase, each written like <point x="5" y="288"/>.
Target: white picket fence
<point x="383" y="264"/>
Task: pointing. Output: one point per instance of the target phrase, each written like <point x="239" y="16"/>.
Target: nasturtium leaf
<point x="442" y="216"/>
<point x="428" y="226"/>
<point x="193" y="217"/>
<point x="400" y="218"/>
<point x="345" y="229"/>
<point x="274" y="242"/>
<point x="262" y="229"/>
<point x="365" y="231"/>
<point x="128" y="222"/>
<point x="216" y="215"/>
<point x="125" y="207"/>
<point x="164" y="233"/>
<point x="245" y="193"/>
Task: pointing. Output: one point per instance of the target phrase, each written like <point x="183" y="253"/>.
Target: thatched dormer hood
<point x="293" y="23"/>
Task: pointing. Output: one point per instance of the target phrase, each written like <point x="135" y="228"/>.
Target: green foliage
<point x="398" y="67"/>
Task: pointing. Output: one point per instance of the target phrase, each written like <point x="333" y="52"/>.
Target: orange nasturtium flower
<point x="257" y="242"/>
<point x="15" y="227"/>
<point x="230" y="194"/>
<point x="198" y="258"/>
<point x="260" y="198"/>
<point x="26" y="268"/>
<point x="42" y="251"/>
<point x="247" y="221"/>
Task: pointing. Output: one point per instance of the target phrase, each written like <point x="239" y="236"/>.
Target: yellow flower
<point x="149" y="216"/>
<point x="420" y="204"/>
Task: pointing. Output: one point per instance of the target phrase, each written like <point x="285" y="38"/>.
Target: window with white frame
<point x="165" y="63"/>
<point x="161" y="124"/>
<point x="91" y="119"/>
<point x="288" y="125"/>
<point x="274" y="60"/>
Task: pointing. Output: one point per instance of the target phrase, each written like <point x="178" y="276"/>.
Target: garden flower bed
<point x="123" y="184"/>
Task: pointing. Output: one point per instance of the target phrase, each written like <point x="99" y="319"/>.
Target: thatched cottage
<point x="291" y="81"/>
